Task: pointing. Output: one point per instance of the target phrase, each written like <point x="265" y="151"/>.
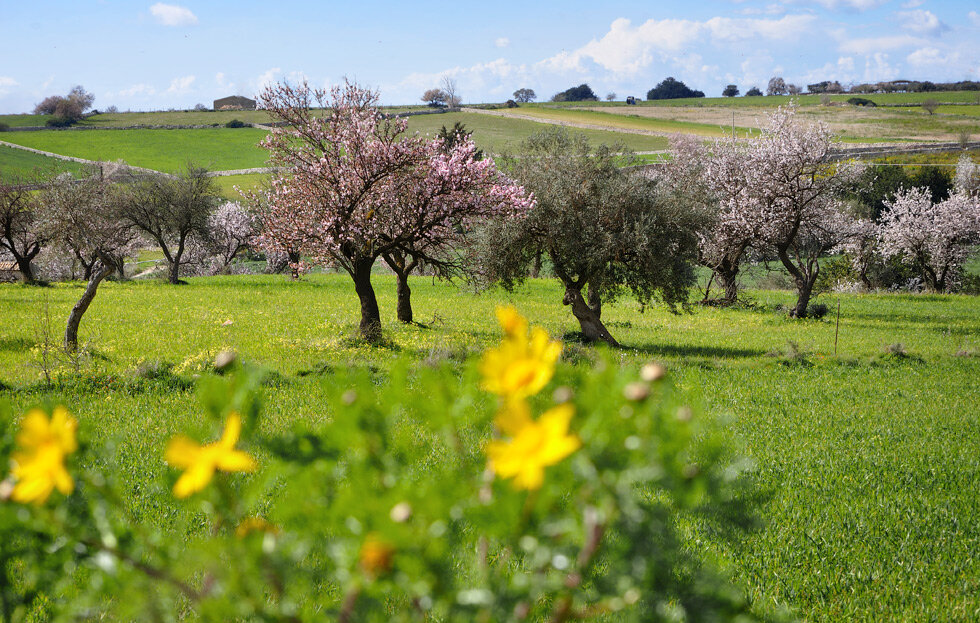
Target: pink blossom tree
<point x="934" y="237"/>
<point x="967" y="178"/>
<point x="353" y="188"/>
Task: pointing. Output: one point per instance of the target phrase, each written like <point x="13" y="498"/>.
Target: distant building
<point x="234" y="102"/>
<point x="9" y="271"/>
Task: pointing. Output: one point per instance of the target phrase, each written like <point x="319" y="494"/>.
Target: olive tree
<point x="607" y="230"/>
<point x="172" y="210"/>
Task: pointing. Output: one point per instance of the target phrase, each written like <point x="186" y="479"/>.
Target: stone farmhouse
<point x="234" y="102"/>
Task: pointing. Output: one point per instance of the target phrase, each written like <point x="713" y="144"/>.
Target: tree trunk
<point x="804" y="291"/>
<point x="729" y="280"/>
<point x="25" y="268"/>
<point x="100" y="271"/>
<point x="404" y="298"/>
<point x="592" y="326"/>
<point x="536" y="269"/>
<point x="370" y="315"/>
<point x="294" y="258"/>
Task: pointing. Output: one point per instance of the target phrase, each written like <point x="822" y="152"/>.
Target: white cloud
<point x="172" y="15"/>
<point x="974" y="17"/>
<point x="922" y="22"/>
<point x="626" y="49"/>
<point x="932" y="58"/>
<point x="911" y="4"/>
<point x="268" y="78"/>
<point x="877" y="68"/>
<point x="137" y="89"/>
<point x="181" y="85"/>
<point x="7" y="83"/>
<point x="842" y="71"/>
<point x="859" y="5"/>
<point x="502" y="42"/>
<point x="870" y="45"/>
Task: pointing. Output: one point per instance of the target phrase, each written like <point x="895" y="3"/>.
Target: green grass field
<point x="219" y="149"/>
<point x="17" y="163"/>
<point x="868" y="462"/>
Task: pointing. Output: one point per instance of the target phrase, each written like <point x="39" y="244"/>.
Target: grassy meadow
<point x="867" y="461"/>
<point x="219" y="149"/>
<point x="18" y="163"/>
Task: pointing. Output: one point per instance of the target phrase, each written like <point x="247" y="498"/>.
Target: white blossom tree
<point x="934" y="237"/>
<point x="800" y="190"/>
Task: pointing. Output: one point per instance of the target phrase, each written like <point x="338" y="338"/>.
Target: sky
<point x="161" y="55"/>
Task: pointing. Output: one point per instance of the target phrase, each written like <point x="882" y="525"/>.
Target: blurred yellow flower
<point x="523" y="364"/>
<point x="39" y="464"/>
<point x="200" y="462"/>
<point x="376" y="556"/>
<point x="254" y="524"/>
<point x="512" y="322"/>
<point x="512" y="417"/>
<point x="536" y="445"/>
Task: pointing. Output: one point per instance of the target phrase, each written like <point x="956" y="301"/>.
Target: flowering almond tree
<point x="799" y="191"/>
<point x="718" y="179"/>
<point x="352" y="189"/>
<point x="934" y="237"/>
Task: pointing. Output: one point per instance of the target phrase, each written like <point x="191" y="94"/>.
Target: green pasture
<point x="246" y="182"/>
<point x="867" y="461"/>
<point x="497" y="134"/>
<point x="17" y="163"/>
<point x="219" y="149"/>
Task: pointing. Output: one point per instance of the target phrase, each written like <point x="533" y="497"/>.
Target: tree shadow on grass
<point x="16" y="344"/>
<point x="690" y="351"/>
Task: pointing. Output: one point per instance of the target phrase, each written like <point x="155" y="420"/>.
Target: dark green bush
<point x="861" y="101"/>
<point x="235" y="123"/>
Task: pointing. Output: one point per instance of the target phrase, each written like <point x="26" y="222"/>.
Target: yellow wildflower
<point x="39" y="465"/>
<point x="512" y="417"/>
<point x="376" y="556"/>
<point x="523" y="364"/>
<point x="254" y="524"/>
<point x="512" y="322"/>
<point x="535" y="445"/>
<point x="200" y="462"/>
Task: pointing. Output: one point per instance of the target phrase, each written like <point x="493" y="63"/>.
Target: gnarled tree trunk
<point x="588" y="318"/>
<point x="370" y="326"/>
<point x="100" y="271"/>
<point x="402" y="265"/>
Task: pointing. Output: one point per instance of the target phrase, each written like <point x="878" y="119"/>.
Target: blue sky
<point x="157" y="55"/>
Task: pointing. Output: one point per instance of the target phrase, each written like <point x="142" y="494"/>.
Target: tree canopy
<point x="671" y="88"/>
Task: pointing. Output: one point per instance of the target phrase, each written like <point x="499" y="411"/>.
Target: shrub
<point x="235" y="123"/>
<point x="511" y="104"/>
<point x="753" y="92"/>
<point x="671" y="88"/>
<point x="861" y="101"/>
<point x="59" y="122"/>
<point x="581" y="93"/>
<point x="4" y="127"/>
<point x="391" y="509"/>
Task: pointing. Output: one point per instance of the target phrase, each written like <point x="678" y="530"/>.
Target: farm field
<point x="803" y="100"/>
<point x="849" y="122"/>
<point x="499" y="134"/>
<point x="19" y="163"/>
<point x="867" y="461"/>
<point x="219" y="149"/>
